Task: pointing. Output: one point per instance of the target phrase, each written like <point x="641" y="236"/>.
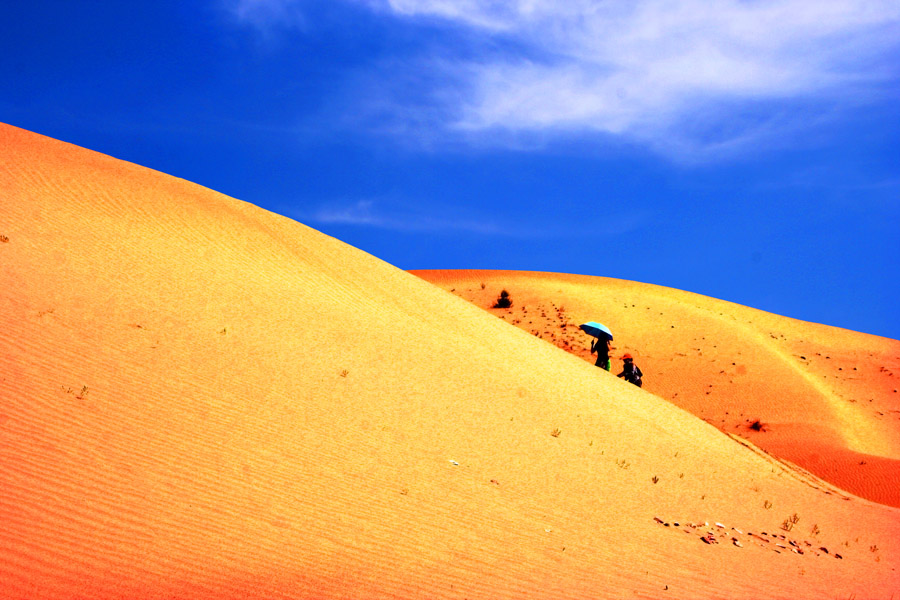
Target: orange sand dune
<point x="201" y="399"/>
<point x="825" y="398"/>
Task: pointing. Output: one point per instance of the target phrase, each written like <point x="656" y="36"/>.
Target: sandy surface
<point x="200" y="399"/>
<point x="821" y="397"/>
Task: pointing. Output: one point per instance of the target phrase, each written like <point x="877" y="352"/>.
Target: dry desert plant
<point x="790" y="522"/>
<point x="503" y="301"/>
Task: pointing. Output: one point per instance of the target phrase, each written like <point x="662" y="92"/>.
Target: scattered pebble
<point x="708" y="536"/>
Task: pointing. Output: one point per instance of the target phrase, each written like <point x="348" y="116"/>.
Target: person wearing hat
<point x="630" y="371"/>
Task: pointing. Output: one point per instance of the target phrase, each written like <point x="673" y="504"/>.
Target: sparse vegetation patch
<point x="758" y="425"/>
<point x="503" y="301"/>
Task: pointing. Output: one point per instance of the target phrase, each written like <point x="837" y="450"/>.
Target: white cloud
<point x="491" y="14"/>
<point x="370" y="213"/>
<point x="428" y="218"/>
<point x="358" y="213"/>
<point x="266" y="16"/>
<point x="649" y="70"/>
<point x="692" y="77"/>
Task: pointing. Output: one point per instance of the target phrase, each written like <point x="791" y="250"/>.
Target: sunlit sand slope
<point x="200" y="399"/>
<point x="822" y="397"/>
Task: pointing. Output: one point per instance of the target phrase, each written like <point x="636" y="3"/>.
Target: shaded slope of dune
<point x="201" y="399"/>
<point x="822" y="397"/>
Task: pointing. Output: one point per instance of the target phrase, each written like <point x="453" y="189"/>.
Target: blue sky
<point x="745" y="150"/>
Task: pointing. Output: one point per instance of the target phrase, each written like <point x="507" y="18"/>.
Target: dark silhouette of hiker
<point x="630" y="371"/>
<point x="601" y="347"/>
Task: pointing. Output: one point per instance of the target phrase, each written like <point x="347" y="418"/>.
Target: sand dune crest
<point x="201" y="399"/>
<point x="825" y="397"/>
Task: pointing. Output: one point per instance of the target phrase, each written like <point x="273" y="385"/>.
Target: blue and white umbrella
<point x="598" y="330"/>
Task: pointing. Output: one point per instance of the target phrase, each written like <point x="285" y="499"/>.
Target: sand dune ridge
<point x="201" y="399"/>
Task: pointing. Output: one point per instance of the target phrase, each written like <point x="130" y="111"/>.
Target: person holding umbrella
<point x="602" y="348"/>
<point x="601" y="344"/>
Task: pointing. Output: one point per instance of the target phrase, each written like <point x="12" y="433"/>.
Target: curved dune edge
<point x="201" y="399"/>
<point x="826" y="397"/>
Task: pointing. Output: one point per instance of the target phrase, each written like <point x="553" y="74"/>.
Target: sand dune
<point x="201" y="399"/>
<point x="822" y="397"/>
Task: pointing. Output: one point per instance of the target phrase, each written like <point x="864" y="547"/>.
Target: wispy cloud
<point x="266" y="16"/>
<point x="682" y="76"/>
<point x="371" y="213"/>
<point x="679" y="75"/>
<point x="443" y="220"/>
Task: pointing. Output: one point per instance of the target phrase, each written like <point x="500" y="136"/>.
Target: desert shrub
<point x="503" y="301"/>
<point x="758" y="425"/>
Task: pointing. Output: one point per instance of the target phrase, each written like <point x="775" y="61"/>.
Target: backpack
<point x="635" y="376"/>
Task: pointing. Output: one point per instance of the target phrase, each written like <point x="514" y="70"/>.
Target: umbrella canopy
<point x="597" y="330"/>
